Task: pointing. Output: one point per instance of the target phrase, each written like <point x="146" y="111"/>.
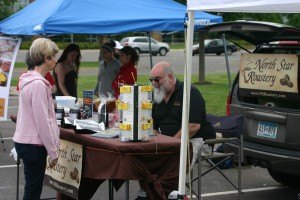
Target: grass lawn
<point x="82" y="65"/>
<point x="214" y="93"/>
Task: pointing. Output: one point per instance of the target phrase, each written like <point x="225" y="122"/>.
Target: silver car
<point x="141" y="45"/>
<point x="272" y="117"/>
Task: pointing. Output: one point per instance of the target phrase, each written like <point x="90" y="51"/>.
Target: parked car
<point x="215" y="46"/>
<point x="141" y="45"/>
<point x="272" y="115"/>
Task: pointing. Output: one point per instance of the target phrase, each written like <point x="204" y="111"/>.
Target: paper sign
<point x="87" y="111"/>
<point x="274" y="73"/>
<point x="65" y="177"/>
<point x="8" y="52"/>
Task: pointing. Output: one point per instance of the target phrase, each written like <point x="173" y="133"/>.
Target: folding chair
<point x="231" y="128"/>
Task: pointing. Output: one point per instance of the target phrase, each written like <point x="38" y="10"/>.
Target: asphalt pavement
<point x="256" y="182"/>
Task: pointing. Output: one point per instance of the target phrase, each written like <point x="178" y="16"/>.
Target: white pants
<point x="196" y="143"/>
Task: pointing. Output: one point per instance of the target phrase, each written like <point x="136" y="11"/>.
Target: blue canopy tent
<point x="100" y="17"/>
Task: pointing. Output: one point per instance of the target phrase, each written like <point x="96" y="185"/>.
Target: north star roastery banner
<point x="65" y="177"/>
<point x="269" y="75"/>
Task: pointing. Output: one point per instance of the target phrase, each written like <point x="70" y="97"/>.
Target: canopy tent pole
<point x="150" y="50"/>
<point x="185" y="106"/>
<point x="227" y="62"/>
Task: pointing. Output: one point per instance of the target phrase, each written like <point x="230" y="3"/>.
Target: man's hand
<point x="53" y="163"/>
<point x="193" y="129"/>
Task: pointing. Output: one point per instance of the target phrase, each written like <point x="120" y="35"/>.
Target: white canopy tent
<point x="255" y="6"/>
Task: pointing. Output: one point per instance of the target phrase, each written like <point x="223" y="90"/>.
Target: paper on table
<point x="78" y="127"/>
<point x="108" y="133"/>
<point x="88" y="126"/>
<point x="102" y="126"/>
<point x="88" y="122"/>
<point x="85" y="124"/>
<point x="69" y="121"/>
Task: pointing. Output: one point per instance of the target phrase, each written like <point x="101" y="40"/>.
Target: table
<point x="154" y="163"/>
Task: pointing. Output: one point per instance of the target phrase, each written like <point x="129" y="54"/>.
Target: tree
<point x="269" y="17"/>
<point x="294" y="20"/>
<point x="6" y="8"/>
<point x="181" y="1"/>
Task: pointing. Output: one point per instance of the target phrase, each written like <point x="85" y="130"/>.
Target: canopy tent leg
<point x="227" y="62"/>
<point x="186" y="100"/>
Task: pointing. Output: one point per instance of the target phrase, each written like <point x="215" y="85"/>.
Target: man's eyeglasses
<point x="155" y="79"/>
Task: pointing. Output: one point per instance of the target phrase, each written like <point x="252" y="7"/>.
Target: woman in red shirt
<point x="128" y="73"/>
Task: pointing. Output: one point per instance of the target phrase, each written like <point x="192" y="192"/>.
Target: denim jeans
<point x="34" y="161"/>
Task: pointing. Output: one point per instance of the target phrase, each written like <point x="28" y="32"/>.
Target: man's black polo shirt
<point x="168" y="116"/>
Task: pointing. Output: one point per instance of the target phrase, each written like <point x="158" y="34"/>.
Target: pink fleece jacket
<point x="36" y="122"/>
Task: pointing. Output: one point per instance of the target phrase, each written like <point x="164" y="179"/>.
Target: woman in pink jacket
<point x="37" y="133"/>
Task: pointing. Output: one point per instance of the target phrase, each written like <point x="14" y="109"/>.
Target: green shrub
<point x="83" y="45"/>
<point x="95" y="45"/>
<point x="25" y="45"/>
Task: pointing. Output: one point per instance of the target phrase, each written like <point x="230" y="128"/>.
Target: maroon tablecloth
<point x="154" y="163"/>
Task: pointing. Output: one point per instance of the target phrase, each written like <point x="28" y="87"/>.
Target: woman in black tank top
<point x="66" y="71"/>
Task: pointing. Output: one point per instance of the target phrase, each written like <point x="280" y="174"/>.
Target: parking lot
<point x="256" y="182"/>
<point x="175" y="57"/>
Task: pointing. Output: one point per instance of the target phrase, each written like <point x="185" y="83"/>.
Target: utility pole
<point x="201" y="75"/>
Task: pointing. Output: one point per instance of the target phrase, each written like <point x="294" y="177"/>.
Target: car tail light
<point x="126" y="44"/>
<point x="228" y="102"/>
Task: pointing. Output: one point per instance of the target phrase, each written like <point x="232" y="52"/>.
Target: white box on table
<point x="65" y="101"/>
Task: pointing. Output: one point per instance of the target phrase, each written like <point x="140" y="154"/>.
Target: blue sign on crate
<point x="87" y="104"/>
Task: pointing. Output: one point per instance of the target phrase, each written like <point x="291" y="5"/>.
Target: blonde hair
<point x="40" y="49"/>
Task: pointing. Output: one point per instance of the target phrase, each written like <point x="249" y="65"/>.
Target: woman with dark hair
<point x="108" y="70"/>
<point x="66" y="71"/>
<point x="128" y="73"/>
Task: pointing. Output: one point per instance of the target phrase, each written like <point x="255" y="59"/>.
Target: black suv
<point x="266" y="92"/>
<point x="215" y="46"/>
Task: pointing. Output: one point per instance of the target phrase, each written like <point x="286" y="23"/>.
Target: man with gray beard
<point x="167" y="111"/>
<point x="167" y="108"/>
